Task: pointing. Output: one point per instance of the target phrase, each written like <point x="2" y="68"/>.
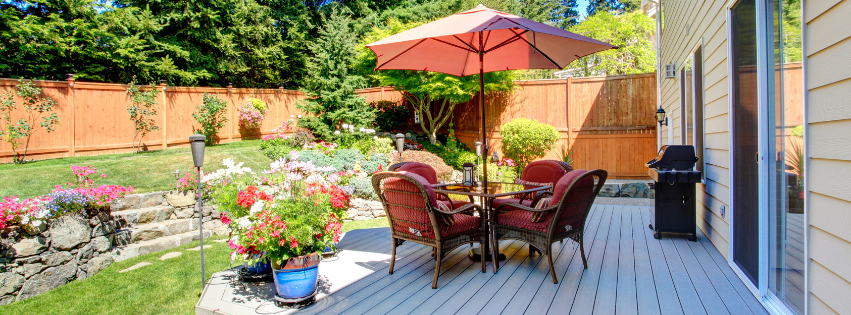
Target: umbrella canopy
<point x="451" y="45"/>
<point x="482" y="40"/>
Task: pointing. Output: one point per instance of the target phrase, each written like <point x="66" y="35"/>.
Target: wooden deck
<point x="628" y="272"/>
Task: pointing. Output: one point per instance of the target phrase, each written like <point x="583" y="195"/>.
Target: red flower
<point x="293" y="242"/>
<point x="224" y="218"/>
<point x="245" y="199"/>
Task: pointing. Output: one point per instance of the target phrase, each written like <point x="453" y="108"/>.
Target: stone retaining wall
<point x="78" y="246"/>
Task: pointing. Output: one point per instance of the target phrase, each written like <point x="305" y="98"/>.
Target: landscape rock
<point x="30" y="246"/>
<point x="8" y="299"/>
<point x="81" y="274"/>
<point x="180" y="199"/>
<point x="49" y="279"/>
<point x="69" y="231"/>
<point x="170" y="255"/>
<point x="136" y="266"/>
<point x="184" y="213"/>
<point x="128" y="202"/>
<point x="10" y="282"/>
<point x="56" y="259"/>
<point x="35" y="227"/>
<point x="635" y="190"/>
<point x="103" y="228"/>
<point x="99" y="263"/>
<point x="152" y="200"/>
<point x="610" y="190"/>
<point x="33" y="269"/>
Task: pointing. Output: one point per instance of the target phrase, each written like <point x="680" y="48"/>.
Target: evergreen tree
<point x="630" y="32"/>
<point x="331" y="81"/>
<point x="612" y="6"/>
<point x="567" y="14"/>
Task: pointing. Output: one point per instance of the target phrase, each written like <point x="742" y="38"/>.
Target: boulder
<point x="180" y="199"/>
<point x="128" y="202"/>
<point x="99" y="263"/>
<point x="97" y="245"/>
<point x="81" y="274"/>
<point x="104" y="228"/>
<point x="184" y="213"/>
<point x="49" y="279"/>
<point x="69" y="231"/>
<point x="30" y="246"/>
<point x="8" y="299"/>
<point x="56" y="259"/>
<point x="10" y="282"/>
<point x="610" y="190"/>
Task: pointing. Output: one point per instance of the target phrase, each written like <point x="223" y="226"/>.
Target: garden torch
<point x="196" y="142"/>
<point x="400" y="145"/>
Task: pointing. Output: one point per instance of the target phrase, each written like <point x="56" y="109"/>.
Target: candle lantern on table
<point x="469" y="174"/>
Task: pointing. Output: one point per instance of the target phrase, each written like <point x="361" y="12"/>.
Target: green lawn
<point x="146" y="171"/>
<point x="172" y="286"/>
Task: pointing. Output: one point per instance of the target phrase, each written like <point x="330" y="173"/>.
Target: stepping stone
<point x="136" y="266"/>
<point x="220" y="241"/>
<point x="170" y="255"/>
<point x="199" y="247"/>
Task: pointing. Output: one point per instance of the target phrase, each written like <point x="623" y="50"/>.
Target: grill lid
<point x="673" y="158"/>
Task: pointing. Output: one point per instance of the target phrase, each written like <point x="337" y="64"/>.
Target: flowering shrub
<point x="186" y="183"/>
<point x="506" y="162"/>
<point x="280" y="132"/>
<point x="411" y="144"/>
<point x="68" y="199"/>
<point x="252" y="113"/>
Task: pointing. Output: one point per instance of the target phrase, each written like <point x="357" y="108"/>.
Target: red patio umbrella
<point x="458" y="45"/>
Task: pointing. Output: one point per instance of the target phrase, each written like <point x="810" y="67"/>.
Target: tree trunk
<point x="432" y="137"/>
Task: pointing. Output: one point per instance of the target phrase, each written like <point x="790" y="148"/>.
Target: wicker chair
<point x="545" y="172"/>
<point x="565" y="165"/>
<point x="427" y="172"/>
<point x="415" y="216"/>
<point x="574" y="193"/>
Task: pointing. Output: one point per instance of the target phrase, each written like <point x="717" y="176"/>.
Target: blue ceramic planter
<point x="296" y="283"/>
<point x="258" y="267"/>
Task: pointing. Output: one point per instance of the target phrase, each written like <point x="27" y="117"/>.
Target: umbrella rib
<point x="507" y="41"/>
<point x="536" y="48"/>
<point x="451" y="44"/>
<point x="473" y="49"/>
<point x="396" y="56"/>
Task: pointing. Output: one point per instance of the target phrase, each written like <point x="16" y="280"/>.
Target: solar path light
<point x="400" y="145"/>
<point x="196" y="142"/>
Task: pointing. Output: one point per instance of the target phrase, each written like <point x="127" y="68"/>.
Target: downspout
<point x="658" y="68"/>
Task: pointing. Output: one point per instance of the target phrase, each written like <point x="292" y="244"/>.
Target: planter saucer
<point x="297" y="302"/>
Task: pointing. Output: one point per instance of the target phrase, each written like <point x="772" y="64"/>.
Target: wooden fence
<point x="608" y="122"/>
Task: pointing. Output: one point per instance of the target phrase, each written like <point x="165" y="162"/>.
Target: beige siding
<point x="706" y="22"/>
<point x="829" y="119"/>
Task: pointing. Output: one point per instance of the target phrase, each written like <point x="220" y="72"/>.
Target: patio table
<point x="495" y="190"/>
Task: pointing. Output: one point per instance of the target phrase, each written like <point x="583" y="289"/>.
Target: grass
<point x="145" y="171"/>
<point x="365" y="224"/>
<point x="166" y="287"/>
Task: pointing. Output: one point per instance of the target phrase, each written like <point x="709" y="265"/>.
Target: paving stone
<point x="136" y="266"/>
<point x="199" y="248"/>
<point x="170" y="255"/>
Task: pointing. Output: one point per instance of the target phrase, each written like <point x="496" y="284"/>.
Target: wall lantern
<point x="163" y="83"/>
<point x="70" y="79"/>
<point x="230" y="87"/>
<point x="196" y="143"/>
<point x="469" y="174"/>
<point x="660" y="117"/>
<point x="495" y="157"/>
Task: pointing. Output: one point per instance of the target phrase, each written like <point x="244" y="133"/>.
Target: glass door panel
<point x="786" y="209"/>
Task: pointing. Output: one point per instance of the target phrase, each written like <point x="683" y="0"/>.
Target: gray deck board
<point x="628" y="272"/>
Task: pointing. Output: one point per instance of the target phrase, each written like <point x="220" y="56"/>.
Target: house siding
<point x="707" y="24"/>
<point x="828" y="52"/>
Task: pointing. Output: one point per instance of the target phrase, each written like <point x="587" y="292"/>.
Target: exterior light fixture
<point x="495" y="157"/>
<point x="230" y="87"/>
<point x="400" y="145"/>
<point x="163" y="83"/>
<point x="478" y="148"/>
<point x="660" y="117"/>
<point x="196" y="143"/>
<point x="469" y="174"/>
<point x="70" y="79"/>
<point x="177" y="177"/>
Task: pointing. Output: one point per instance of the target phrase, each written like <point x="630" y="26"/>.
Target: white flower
<point x="336" y="132"/>
<point x="25" y="219"/>
<point x="257" y="207"/>
<point x="299" y="116"/>
<point x="374" y="137"/>
<point x="292" y="116"/>
<point x="362" y="130"/>
<point x="243" y="222"/>
<point x="345" y="126"/>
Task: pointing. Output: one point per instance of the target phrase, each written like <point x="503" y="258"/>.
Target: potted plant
<point x="293" y="232"/>
<point x="251" y="116"/>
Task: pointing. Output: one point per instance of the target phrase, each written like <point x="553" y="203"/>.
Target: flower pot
<point x="262" y="266"/>
<point x="297" y="278"/>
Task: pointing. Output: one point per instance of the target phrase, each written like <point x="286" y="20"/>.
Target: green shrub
<point x="345" y="159"/>
<point x="211" y="115"/>
<point x="277" y="148"/>
<point x="384" y="146"/>
<point x="454" y="153"/>
<point x="375" y="160"/>
<point x="363" y="188"/>
<point x="318" y="158"/>
<point x="524" y="140"/>
<point x="370" y="146"/>
<point x="301" y="138"/>
<point x="505" y="173"/>
<point x="390" y="115"/>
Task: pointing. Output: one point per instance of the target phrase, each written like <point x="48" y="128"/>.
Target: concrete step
<point x="146" y="232"/>
<point x="143" y="215"/>
<point x="157" y="244"/>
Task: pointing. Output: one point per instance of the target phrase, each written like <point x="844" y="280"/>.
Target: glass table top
<point x="495" y="189"/>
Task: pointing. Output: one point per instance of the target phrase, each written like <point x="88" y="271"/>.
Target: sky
<point x="582" y="5"/>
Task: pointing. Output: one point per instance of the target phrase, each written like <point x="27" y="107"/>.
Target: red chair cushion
<point x="543" y="172"/>
<point x="499" y="202"/>
<point x="456" y="203"/>
<point x="522" y="219"/>
<point x="564" y="182"/>
<point x="414" y="209"/>
<point x="577" y="201"/>
<point x="421" y="169"/>
<point x="463" y="223"/>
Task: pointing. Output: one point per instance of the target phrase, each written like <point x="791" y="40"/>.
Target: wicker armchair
<point x="427" y="172"/>
<point x="545" y="172"/>
<point x="415" y="216"/>
<point x="573" y="197"/>
<point x="565" y="165"/>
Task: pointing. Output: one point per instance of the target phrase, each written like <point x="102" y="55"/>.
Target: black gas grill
<point x="673" y="171"/>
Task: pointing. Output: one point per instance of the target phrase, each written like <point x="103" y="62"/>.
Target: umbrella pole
<point x="482" y="106"/>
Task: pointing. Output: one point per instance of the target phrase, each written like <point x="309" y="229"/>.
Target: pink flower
<point x="103" y="175"/>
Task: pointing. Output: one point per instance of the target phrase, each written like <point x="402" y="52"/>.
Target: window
<point x="691" y="115"/>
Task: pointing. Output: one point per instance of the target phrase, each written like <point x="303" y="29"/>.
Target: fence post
<point x="69" y="78"/>
<point x="567" y="96"/>
<point x="165" y="114"/>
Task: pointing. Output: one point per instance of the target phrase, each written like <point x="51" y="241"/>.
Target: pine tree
<point x="331" y="82"/>
<point x="615" y="7"/>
